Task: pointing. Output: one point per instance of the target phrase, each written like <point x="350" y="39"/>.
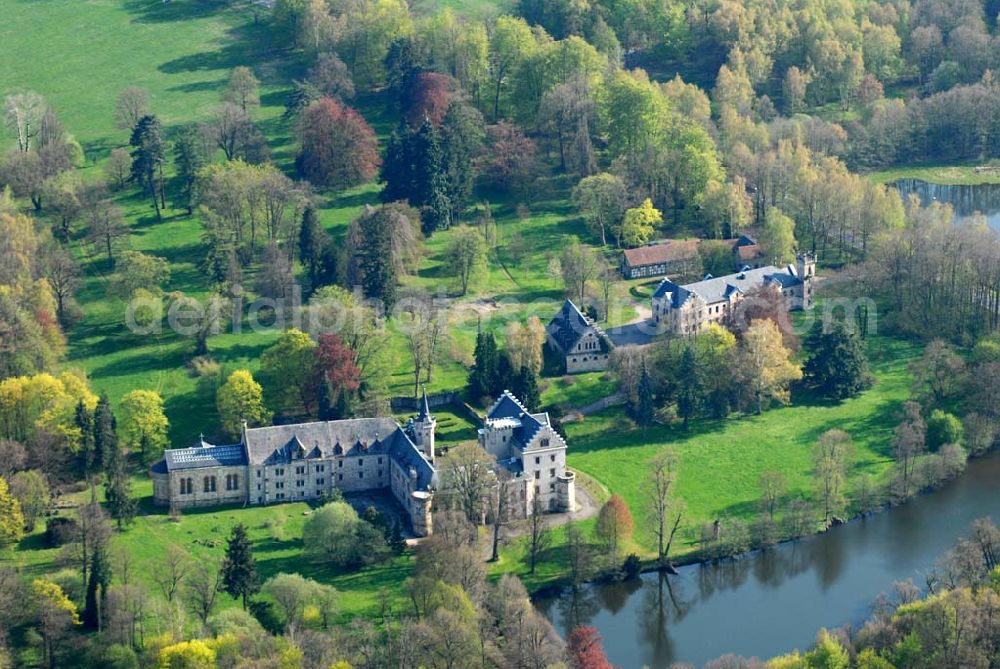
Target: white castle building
<point x="527" y="446"/>
<point x="688" y="309"/>
<point x="308" y="461"/>
<point x="294" y="463"/>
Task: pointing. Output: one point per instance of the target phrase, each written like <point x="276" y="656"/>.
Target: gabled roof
<point x="284" y="443"/>
<point x="669" y="251"/>
<point x="508" y="412"/>
<point x="570" y="325"/>
<point x="722" y="288"/>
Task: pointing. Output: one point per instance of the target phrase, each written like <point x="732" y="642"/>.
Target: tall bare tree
<point x="667" y="511"/>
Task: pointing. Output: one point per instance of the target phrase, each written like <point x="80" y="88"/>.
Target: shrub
<point x="59" y="531"/>
<point x="943" y="428"/>
<point x="336" y="534"/>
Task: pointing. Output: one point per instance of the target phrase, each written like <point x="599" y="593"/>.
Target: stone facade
<point x="578" y="341"/>
<point x="673" y="256"/>
<point x="683" y="310"/>
<point x="533" y="452"/>
<point x="307" y="461"/>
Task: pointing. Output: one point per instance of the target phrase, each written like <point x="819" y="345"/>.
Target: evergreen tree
<point x="239" y="569"/>
<point x="403" y="62"/>
<point x="485" y="374"/>
<point x="313" y="243"/>
<point x="462" y="136"/>
<point x="84" y="421"/>
<point x="837" y="368"/>
<point x="98" y="582"/>
<point x="118" y="485"/>
<point x="413" y="170"/>
<point x="105" y="434"/>
<point x="395" y="539"/>
<point x="526" y="388"/>
<point x="378" y="273"/>
<point x="148" y="157"/>
<point x="644" y="410"/>
<point x="189" y="157"/>
<point x="689" y="391"/>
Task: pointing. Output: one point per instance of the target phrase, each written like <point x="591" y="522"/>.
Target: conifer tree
<point x="84" y="421"/>
<point x="98" y="582"/>
<point x="485" y="374"/>
<point x="105" y="431"/>
<point x="526" y="388"/>
<point x="644" y="411"/>
<point x="148" y="158"/>
<point x="313" y="243"/>
<point x="838" y="367"/>
<point x="239" y="568"/>
<point x="690" y="391"/>
<point x="118" y="485"/>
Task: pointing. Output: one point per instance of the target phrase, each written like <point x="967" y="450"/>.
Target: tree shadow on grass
<point x="158" y="11"/>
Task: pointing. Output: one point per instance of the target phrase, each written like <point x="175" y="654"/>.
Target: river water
<point x="773" y="602"/>
<point x="966" y="200"/>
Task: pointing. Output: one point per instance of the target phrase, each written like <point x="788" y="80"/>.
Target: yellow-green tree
<point x="286" y="370"/>
<point x="142" y="425"/>
<point x="56" y="616"/>
<point x="777" y="238"/>
<point x="240" y="399"/>
<point x="11" y="518"/>
<point x="195" y="654"/>
<point x="43" y="402"/>
<point x="639" y="224"/>
<point x="766" y="364"/>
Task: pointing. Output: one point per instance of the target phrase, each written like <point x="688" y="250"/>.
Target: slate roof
<point x="425" y="409"/>
<point x="717" y="289"/>
<point x="569" y="326"/>
<point x="526" y="424"/>
<point x="670" y="251"/>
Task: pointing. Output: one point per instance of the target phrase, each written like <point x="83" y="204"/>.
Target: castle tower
<point x="566" y="492"/>
<point x="423" y="428"/>
<point x="805" y="267"/>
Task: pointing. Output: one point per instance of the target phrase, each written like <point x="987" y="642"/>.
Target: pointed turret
<point x="423" y="428"/>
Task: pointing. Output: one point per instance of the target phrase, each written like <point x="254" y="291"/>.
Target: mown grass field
<point x="181" y="52"/>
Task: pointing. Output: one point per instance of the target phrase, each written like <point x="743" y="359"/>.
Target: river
<point x="966" y="200"/>
<point x="772" y="602"/>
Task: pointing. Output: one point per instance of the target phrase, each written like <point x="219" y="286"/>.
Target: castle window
<point x="209" y="484"/>
<point x="380" y="460"/>
<point x="186" y="487"/>
<point x="279" y="472"/>
<point x="340" y="477"/>
<point x="300" y="484"/>
<point x="538" y="461"/>
<point x="360" y="462"/>
<point x="552" y="458"/>
<point x="320" y="481"/>
<point x="258" y="473"/>
<point x="320" y="468"/>
<point x="552" y="473"/>
<point x="538" y="474"/>
<point x="340" y="463"/>
<point x="544" y="443"/>
<point x="552" y="487"/>
<point x="361" y="475"/>
<point x="300" y="470"/>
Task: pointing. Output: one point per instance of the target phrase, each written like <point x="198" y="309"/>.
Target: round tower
<point x="566" y="492"/>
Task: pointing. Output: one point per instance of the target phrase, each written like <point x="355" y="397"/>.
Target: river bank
<point x="945" y="175"/>
<point x="771" y="601"/>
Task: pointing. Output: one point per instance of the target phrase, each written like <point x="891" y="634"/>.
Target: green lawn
<point x="721" y="461"/>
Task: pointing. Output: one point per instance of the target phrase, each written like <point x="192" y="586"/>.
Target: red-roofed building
<point x="674" y="256"/>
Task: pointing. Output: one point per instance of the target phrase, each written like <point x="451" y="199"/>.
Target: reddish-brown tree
<point x="335" y="363"/>
<point x="511" y="157"/>
<point x="337" y="147"/>
<point x="585" y="650"/>
<point x="427" y="97"/>
<point x="615" y="525"/>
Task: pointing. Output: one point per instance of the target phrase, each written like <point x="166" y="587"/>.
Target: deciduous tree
<point x="241" y="399"/>
<point x="337" y="148"/>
